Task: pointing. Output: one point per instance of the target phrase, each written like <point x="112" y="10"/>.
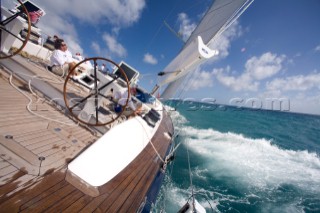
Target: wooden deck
<point x="34" y="153"/>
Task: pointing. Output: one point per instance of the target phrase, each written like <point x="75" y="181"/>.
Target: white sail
<point x="219" y="17"/>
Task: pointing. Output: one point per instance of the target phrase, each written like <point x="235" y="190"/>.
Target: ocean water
<point x="243" y="160"/>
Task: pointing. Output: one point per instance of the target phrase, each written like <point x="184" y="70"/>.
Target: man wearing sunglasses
<point x="61" y="59"/>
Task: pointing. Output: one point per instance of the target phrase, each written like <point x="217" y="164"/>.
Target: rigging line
<point x="50" y="119"/>
<point x="153" y="38"/>
<point x="189" y="167"/>
<point x="166" y="124"/>
<point x="161" y="25"/>
<point x="173" y="8"/>
<point x="191" y="80"/>
<point x="53" y="81"/>
<point x="169" y="172"/>
<point x="195" y="4"/>
<point x="150" y="141"/>
<point x="229" y="22"/>
<point x="158" y="83"/>
<point x="31" y="101"/>
<point x="173" y="146"/>
<point x="177" y="34"/>
<point x="233" y="18"/>
<point x="208" y="12"/>
<point x="182" y="90"/>
<point x="190" y="175"/>
<point x="175" y="133"/>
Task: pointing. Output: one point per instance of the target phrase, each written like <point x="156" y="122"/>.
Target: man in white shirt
<point x="102" y="67"/>
<point x="121" y="97"/>
<point x="78" y="56"/>
<point x="61" y="59"/>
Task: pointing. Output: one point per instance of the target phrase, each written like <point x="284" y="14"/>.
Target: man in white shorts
<point x="61" y="59"/>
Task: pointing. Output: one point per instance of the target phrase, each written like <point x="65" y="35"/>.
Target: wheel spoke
<point x="95" y="93"/>
<point x="0" y="39"/>
<point x="103" y="95"/>
<point x="107" y="84"/>
<point x="96" y="90"/>
<point x="2" y="28"/>
<point x="8" y="20"/>
<point x="81" y="101"/>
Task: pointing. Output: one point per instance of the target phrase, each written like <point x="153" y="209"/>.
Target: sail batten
<point x="219" y="17"/>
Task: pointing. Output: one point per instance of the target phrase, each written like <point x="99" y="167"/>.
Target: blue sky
<point x="271" y="52"/>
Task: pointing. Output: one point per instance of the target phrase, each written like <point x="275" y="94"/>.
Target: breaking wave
<point x="255" y="162"/>
<point x="238" y="173"/>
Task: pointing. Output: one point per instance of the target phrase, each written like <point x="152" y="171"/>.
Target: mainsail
<point x="219" y="17"/>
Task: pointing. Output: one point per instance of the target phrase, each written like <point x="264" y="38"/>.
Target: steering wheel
<point x="93" y="94"/>
<point x="11" y="35"/>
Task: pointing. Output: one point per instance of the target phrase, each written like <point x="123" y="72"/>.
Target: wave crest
<point x="254" y="162"/>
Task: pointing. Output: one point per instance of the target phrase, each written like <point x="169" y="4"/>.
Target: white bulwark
<point x="108" y="156"/>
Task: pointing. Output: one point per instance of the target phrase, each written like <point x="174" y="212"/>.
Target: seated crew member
<point x="61" y="59"/>
<point x="121" y="98"/>
<point x="78" y="56"/>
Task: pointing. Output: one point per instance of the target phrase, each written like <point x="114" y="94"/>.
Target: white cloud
<point x="299" y="54"/>
<point x="201" y="79"/>
<point x="95" y="46"/>
<point x="310" y="104"/>
<point x="265" y="66"/>
<point x="303" y="91"/>
<point x="120" y="13"/>
<point x="317" y="49"/>
<point x="256" y="69"/>
<point x="59" y="15"/>
<point x="114" y="46"/>
<point x="52" y="24"/>
<point x="295" y="83"/>
<point x="241" y="83"/>
<point x="186" y="27"/>
<point x="150" y="59"/>
<point x="73" y="44"/>
<point x="222" y="43"/>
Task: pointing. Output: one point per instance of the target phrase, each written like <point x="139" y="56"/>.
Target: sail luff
<point x="219" y="17"/>
<point x="232" y="19"/>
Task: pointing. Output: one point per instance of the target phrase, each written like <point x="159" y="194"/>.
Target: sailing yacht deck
<point x="36" y="146"/>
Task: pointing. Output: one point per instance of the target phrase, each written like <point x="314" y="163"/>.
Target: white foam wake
<point x="254" y="162"/>
<point x="258" y="167"/>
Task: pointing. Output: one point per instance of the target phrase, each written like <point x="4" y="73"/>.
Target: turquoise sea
<point x="243" y="160"/>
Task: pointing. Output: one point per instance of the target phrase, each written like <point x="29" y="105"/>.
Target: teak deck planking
<point x="50" y="192"/>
